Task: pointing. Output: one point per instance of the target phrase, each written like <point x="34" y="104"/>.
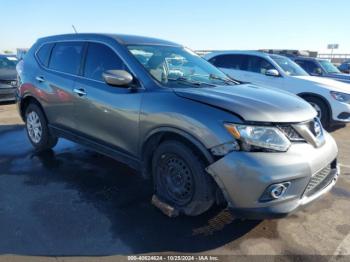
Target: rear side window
<point x="44" y="53"/>
<point x="237" y="62"/>
<point x="99" y="59"/>
<point x="66" y="57"/>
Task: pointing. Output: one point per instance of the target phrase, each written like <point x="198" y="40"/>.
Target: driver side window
<point x="259" y="65"/>
<point x="100" y="58"/>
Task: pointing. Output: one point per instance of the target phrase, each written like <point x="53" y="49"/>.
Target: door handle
<point x="40" y="79"/>
<point x="80" y="91"/>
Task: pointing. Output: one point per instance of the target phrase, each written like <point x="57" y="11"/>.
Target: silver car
<point x="202" y="137"/>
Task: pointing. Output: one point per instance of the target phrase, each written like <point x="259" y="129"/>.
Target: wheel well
<point x="306" y="95"/>
<point x="26" y="102"/>
<point x="156" y="139"/>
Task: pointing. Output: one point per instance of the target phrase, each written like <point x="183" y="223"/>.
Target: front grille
<point x="291" y="133"/>
<point x="6" y="82"/>
<point x="320" y="180"/>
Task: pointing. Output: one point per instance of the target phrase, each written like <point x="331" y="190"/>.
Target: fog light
<point x="278" y="190"/>
<point x="275" y="191"/>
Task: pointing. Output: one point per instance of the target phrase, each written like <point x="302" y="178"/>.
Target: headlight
<point x="255" y="138"/>
<point x="342" y="97"/>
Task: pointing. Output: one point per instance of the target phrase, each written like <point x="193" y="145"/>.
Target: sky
<point x="214" y="25"/>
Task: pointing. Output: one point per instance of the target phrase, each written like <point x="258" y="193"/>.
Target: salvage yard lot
<point x="72" y="201"/>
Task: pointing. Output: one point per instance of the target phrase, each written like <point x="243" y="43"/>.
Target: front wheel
<point x="321" y="109"/>
<point x="180" y="179"/>
<point x="37" y="129"/>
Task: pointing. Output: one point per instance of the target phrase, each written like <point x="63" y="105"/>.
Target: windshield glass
<point x="329" y="67"/>
<point x="8" y="62"/>
<point x="176" y="65"/>
<point x="289" y="67"/>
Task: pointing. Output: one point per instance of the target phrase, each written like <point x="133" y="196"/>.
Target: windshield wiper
<point x="191" y="82"/>
<point x="227" y="80"/>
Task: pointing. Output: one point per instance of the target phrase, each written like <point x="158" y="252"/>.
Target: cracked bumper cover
<point x="244" y="176"/>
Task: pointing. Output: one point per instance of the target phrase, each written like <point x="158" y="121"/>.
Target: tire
<point x="180" y="179"/>
<point x="37" y="129"/>
<point x="322" y="109"/>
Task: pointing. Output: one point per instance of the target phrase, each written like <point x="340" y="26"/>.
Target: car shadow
<point x="74" y="201"/>
<point x="4" y="103"/>
<point x="335" y="127"/>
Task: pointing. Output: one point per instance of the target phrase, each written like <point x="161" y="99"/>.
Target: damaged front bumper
<point x="244" y="178"/>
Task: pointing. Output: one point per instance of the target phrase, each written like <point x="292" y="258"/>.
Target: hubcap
<point x="318" y="110"/>
<point x="176" y="179"/>
<point x="34" y="127"/>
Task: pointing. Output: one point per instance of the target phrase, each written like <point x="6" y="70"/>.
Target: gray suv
<point x="201" y="137"/>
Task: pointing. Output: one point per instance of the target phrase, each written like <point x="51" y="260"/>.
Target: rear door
<point x="107" y="114"/>
<point x="60" y="66"/>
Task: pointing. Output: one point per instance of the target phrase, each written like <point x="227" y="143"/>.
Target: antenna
<point x="75" y="30"/>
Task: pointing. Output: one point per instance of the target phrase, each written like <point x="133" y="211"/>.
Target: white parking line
<point x="343" y="249"/>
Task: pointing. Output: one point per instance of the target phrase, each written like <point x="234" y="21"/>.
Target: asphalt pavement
<point x="72" y="201"/>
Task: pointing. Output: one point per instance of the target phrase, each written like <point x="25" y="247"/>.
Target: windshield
<point x="8" y="62"/>
<point x="289" y="67"/>
<point x="329" y="67"/>
<point x="173" y="66"/>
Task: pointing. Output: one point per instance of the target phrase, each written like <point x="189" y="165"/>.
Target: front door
<point x="107" y="114"/>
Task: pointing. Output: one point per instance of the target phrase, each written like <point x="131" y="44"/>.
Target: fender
<point x="195" y="141"/>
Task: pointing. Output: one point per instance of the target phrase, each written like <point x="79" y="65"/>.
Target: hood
<point x="328" y="83"/>
<point x="252" y="103"/>
<point x="340" y="77"/>
<point x="8" y="74"/>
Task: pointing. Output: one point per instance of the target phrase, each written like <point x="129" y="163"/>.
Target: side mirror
<point x="318" y="71"/>
<point x="272" y="72"/>
<point x="117" y="77"/>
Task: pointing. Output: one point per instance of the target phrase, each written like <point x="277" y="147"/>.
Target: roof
<point x="308" y="58"/>
<point x="7" y="55"/>
<point x="120" y="38"/>
<point x="241" y="52"/>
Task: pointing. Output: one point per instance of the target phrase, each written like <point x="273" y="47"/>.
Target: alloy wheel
<point x="34" y="127"/>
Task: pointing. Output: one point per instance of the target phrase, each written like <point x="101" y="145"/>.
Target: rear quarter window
<point x="43" y="54"/>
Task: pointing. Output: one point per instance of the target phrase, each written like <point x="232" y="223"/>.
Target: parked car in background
<point x="160" y="108"/>
<point x="8" y="77"/>
<point x="321" y="67"/>
<point x="345" y="67"/>
<point x="329" y="97"/>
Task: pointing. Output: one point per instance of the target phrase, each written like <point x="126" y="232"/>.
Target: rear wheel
<point x="321" y="108"/>
<point x="37" y="129"/>
<point x="180" y="179"/>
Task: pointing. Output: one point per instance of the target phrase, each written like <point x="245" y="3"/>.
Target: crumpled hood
<point x="328" y="83"/>
<point x="252" y="103"/>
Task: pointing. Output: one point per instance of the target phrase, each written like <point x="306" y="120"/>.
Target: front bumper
<point x="341" y="112"/>
<point x="244" y="176"/>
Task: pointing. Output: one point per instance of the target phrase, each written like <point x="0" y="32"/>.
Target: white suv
<point x="330" y="98"/>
